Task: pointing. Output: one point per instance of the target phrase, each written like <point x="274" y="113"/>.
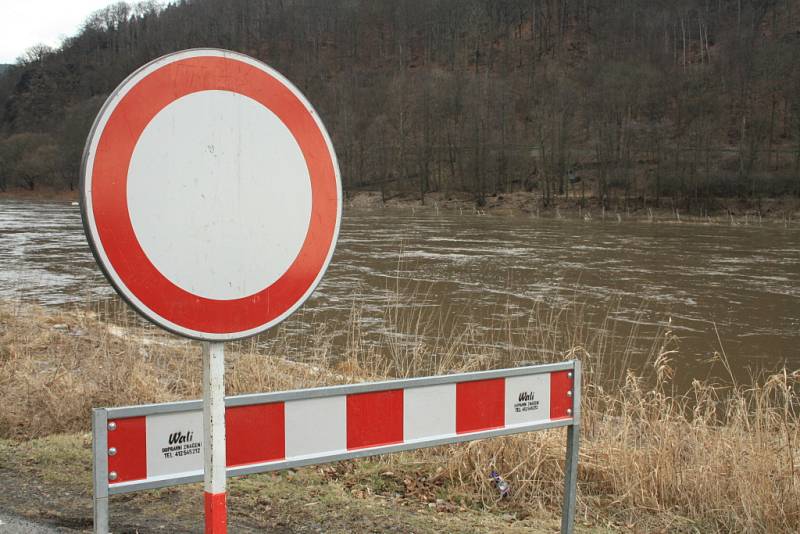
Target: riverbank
<point x="40" y="193"/>
<point x="721" y="458"/>
<point x="784" y="210"/>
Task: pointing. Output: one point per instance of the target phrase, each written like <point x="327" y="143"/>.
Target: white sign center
<point x="238" y="224"/>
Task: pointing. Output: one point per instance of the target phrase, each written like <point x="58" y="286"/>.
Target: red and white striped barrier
<point x="158" y="445"/>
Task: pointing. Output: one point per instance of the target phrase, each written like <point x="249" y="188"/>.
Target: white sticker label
<point x="527" y="399"/>
<point x="174" y="443"/>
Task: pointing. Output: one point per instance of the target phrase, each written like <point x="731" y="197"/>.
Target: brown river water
<point x="741" y="282"/>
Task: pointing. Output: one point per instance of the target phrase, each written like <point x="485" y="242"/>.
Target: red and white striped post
<point x="216" y="509"/>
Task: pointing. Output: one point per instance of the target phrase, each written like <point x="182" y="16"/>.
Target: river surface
<point x="741" y="282"/>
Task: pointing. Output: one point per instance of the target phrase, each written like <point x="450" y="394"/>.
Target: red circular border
<point x="110" y="205"/>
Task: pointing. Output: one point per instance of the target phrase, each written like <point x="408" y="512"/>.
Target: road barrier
<point x="156" y="445"/>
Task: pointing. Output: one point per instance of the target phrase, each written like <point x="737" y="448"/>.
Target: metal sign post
<point x="214" y="436"/>
<point x="211" y="199"/>
<point x="158" y="445"/>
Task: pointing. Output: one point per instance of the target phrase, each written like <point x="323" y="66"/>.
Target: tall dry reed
<point x="715" y="458"/>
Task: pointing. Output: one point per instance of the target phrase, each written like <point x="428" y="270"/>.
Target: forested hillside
<point x="628" y="101"/>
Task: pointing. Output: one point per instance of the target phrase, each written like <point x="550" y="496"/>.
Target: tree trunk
<point x="771" y="131"/>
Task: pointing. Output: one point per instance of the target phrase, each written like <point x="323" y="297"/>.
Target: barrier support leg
<point x="100" y="470"/>
<point x="570" y="479"/>
<point x="214" y="438"/>
<point x="573" y="447"/>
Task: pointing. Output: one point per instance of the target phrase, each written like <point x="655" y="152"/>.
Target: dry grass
<point x="718" y="458"/>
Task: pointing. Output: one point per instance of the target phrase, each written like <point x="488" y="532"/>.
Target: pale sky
<point x="24" y="23"/>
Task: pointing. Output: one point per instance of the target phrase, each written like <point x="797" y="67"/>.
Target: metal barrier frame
<point x="101" y="417"/>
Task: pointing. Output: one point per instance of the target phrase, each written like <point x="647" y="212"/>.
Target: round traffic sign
<point x="210" y="194"/>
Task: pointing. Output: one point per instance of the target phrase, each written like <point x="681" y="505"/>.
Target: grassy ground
<point x="50" y="480"/>
<point x="720" y="458"/>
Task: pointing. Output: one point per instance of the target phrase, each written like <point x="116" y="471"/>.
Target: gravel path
<point x="9" y="524"/>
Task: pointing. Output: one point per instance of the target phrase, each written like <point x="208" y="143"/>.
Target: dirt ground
<point x="48" y="481"/>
